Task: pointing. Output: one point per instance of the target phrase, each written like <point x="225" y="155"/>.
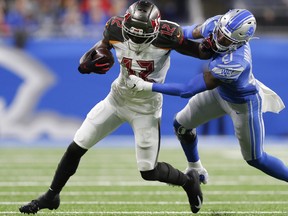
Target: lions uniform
<point x="237" y="96"/>
<point x="141" y="110"/>
<point x="232" y="89"/>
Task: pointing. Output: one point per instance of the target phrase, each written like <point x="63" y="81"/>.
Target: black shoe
<point x="193" y="191"/>
<point x="40" y="203"/>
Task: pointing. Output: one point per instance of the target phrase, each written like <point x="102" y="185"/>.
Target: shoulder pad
<point x="170" y="35"/>
<point x="113" y="29"/>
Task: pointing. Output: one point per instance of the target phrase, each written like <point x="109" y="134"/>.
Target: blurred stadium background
<point x="43" y="97"/>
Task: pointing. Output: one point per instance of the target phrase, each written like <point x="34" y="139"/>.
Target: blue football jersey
<point x="233" y="69"/>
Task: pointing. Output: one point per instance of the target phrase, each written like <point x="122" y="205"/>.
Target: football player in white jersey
<point x="142" y="42"/>
<point x="229" y="87"/>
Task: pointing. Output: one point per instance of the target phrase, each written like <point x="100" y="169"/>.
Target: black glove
<point x="95" y="63"/>
<point x="206" y="44"/>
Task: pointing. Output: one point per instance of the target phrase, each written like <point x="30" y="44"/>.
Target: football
<point x="104" y="56"/>
<point x="97" y="61"/>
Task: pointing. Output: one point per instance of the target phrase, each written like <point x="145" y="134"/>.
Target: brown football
<point x="96" y="61"/>
<point x="105" y="56"/>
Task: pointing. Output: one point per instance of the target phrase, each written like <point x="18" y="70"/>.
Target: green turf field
<point x="107" y="183"/>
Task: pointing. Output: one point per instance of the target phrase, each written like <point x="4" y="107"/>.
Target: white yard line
<point x="159" y="213"/>
<point x="228" y="182"/>
<point x="160" y="203"/>
<point x="140" y="193"/>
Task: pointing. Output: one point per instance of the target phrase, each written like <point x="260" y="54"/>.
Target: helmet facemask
<point x="223" y="43"/>
<point x="137" y="39"/>
<point x="140" y="26"/>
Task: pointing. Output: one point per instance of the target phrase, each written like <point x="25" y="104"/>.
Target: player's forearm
<point x="193" y="87"/>
<point x="194" y="49"/>
<point x="192" y="32"/>
<point x="104" y="43"/>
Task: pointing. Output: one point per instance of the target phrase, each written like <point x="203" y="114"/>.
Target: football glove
<point x="206" y="44"/>
<point x="137" y="84"/>
<point x="95" y="63"/>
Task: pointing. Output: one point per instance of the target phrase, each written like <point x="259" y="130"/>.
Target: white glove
<point x="137" y="84"/>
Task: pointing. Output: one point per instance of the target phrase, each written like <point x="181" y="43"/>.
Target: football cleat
<point x="40" y="203"/>
<point x="193" y="191"/>
<point x="202" y="172"/>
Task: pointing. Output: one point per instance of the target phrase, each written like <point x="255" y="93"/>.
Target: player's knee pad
<point x="144" y="165"/>
<point x="146" y="137"/>
<point x="185" y="136"/>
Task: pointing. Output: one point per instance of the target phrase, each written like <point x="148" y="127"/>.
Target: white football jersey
<point x="151" y="64"/>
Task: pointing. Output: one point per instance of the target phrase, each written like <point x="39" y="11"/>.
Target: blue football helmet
<point x="234" y="29"/>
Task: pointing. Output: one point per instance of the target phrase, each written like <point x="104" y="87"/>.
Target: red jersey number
<point x="148" y="68"/>
<point x="167" y="30"/>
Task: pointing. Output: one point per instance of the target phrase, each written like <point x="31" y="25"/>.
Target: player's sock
<point x="67" y="167"/>
<point x="189" y="141"/>
<point x="191" y="150"/>
<point x="271" y="166"/>
<point x="203" y="173"/>
<point x="196" y="164"/>
<point x="50" y="194"/>
<point x="164" y="172"/>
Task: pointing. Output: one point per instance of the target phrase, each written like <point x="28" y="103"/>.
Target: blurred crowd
<point x="66" y="18"/>
<point x="45" y="18"/>
<point x="86" y="18"/>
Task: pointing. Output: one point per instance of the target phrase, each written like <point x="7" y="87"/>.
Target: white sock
<point x="196" y="164"/>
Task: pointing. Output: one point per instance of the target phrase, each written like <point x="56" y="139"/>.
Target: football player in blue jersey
<point x="229" y="87"/>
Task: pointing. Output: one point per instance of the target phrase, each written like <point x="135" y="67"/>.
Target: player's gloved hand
<point x="206" y="44"/>
<point x="137" y="84"/>
<point x="94" y="62"/>
<point x="203" y="174"/>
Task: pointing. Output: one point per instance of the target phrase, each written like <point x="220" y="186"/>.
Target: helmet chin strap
<point x="138" y="48"/>
<point x="231" y="48"/>
<point x="222" y="49"/>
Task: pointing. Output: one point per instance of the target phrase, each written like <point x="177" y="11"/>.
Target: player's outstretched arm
<point x="201" y="50"/>
<point x="199" y="83"/>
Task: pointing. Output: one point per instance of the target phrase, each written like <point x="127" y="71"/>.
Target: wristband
<point x="147" y="86"/>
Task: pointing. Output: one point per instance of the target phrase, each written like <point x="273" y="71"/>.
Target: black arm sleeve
<point x="192" y="48"/>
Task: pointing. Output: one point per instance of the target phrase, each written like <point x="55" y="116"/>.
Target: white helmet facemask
<point x="145" y="39"/>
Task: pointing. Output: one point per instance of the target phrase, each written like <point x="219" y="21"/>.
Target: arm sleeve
<point x="208" y="26"/>
<point x="187" y="31"/>
<point x="193" y="87"/>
